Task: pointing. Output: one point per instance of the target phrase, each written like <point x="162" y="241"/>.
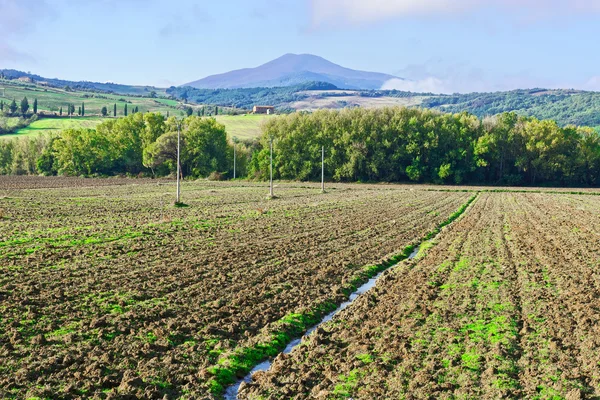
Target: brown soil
<point x="504" y="306"/>
<point x="109" y="292"/>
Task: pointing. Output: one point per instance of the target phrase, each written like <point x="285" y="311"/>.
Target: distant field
<point x="243" y="126"/>
<point x="52" y="99"/>
<point x="54" y="125"/>
<point x="322" y="101"/>
<point x="240" y="126"/>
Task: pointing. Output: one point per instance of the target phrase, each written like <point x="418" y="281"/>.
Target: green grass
<point x="55" y="125"/>
<point x="243" y="126"/>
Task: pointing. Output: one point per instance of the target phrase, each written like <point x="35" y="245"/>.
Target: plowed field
<point x="108" y="291"/>
<point x="504" y="304"/>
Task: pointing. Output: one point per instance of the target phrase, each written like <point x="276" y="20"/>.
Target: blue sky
<point x="440" y="45"/>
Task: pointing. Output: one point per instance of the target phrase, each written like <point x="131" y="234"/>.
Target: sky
<point x="440" y="46"/>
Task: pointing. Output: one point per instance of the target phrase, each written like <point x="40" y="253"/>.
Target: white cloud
<point x="362" y="11"/>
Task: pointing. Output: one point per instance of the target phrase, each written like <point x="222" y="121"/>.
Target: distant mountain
<point x="107" y="87"/>
<point x="292" y="70"/>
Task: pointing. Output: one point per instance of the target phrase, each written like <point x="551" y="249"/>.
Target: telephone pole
<point x="323" y="169"/>
<point x="234" y="158"/>
<point x="178" y="163"/>
<point x="271" y="183"/>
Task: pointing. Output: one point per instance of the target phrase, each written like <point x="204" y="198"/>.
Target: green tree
<point x="83" y="109"/>
<point x="115" y="110"/>
<point x="104" y="111"/>
<point x="125" y="110"/>
<point x="60" y="111"/>
<point x="189" y="111"/>
<point x="24" y="106"/>
<point x="35" y="106"/>
<point x="82" y="152"/>
<point x="13" y="107"/>
<point x="216" y="110"/>
<point x="79" y="111"/>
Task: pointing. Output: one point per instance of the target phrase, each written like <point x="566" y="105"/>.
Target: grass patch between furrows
<point x="239" y="363"/>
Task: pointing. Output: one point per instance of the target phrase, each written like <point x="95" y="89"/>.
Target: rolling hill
<point x="291" y="70"/>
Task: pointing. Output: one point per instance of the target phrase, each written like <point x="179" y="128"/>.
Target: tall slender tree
<point x="115" y="110"/>
<point x="83" y="109"/>
<point x="13" y="107"/>
<point x="125" y="110"/>
<point x="35" y="106"/>
<point x="24" y="105"/>
<point x="1" y="105"/>
<point x="216" y="110"/>
<point x="60" y="112"/>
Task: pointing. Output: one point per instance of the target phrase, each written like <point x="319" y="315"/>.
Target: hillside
<point x="51" y="99"/>
<point x="291" y="70"/>
<point x="564" y="106"/>
<point x="107" y="87"/>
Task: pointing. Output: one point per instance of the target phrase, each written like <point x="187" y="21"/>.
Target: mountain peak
<point x="293" y="69"/>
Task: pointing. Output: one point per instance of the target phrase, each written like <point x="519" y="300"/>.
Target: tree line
<point x="139" y="144"/>
<point x="13" y="109"/>
<point x="389" y="145"/>
<point x="427" y="146"/>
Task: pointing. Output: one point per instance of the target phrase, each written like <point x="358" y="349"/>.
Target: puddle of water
<point x="232" y="391"/>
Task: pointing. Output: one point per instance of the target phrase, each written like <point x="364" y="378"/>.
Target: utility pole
<point x="234" y="158"/>
<point x="178" y="162"/>
<point x="271" y="184"/>
<point x="323" y="169"/>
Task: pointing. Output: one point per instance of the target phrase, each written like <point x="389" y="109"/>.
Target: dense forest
<point x="400" y="144"/>
<point x="564" y="106"/>
<point x="389" y="145"/>
<point x="247" y="98"/>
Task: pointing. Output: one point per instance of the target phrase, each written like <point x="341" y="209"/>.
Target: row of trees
<point x="139" y="143"/>
<point x="393" y="145"/>
<point x="400" y="144"/>
<point x="104" y="110"/>
<point x="13" y="109"/>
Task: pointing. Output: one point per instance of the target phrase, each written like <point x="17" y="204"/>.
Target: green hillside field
<point x="243" y="127"/>
<point x="51" y="99"/>
<point x="55" y="125"/>
<point x="240" y="126"/>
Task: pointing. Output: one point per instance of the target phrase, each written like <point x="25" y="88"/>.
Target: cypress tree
<point x="24" y="105"/>
<point x="60" y="111"/>
<point x="216" y="110"/>
<point x="125" y="110"/>
<point x="79" y="111"/>
<point x="115" y="110"/>
<point x="13" y="107"/>
<point x="167" y="114"/>
<point x="1" y="105"/>
<point x="35" y="106"/>
<point x="83" y="109"/>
